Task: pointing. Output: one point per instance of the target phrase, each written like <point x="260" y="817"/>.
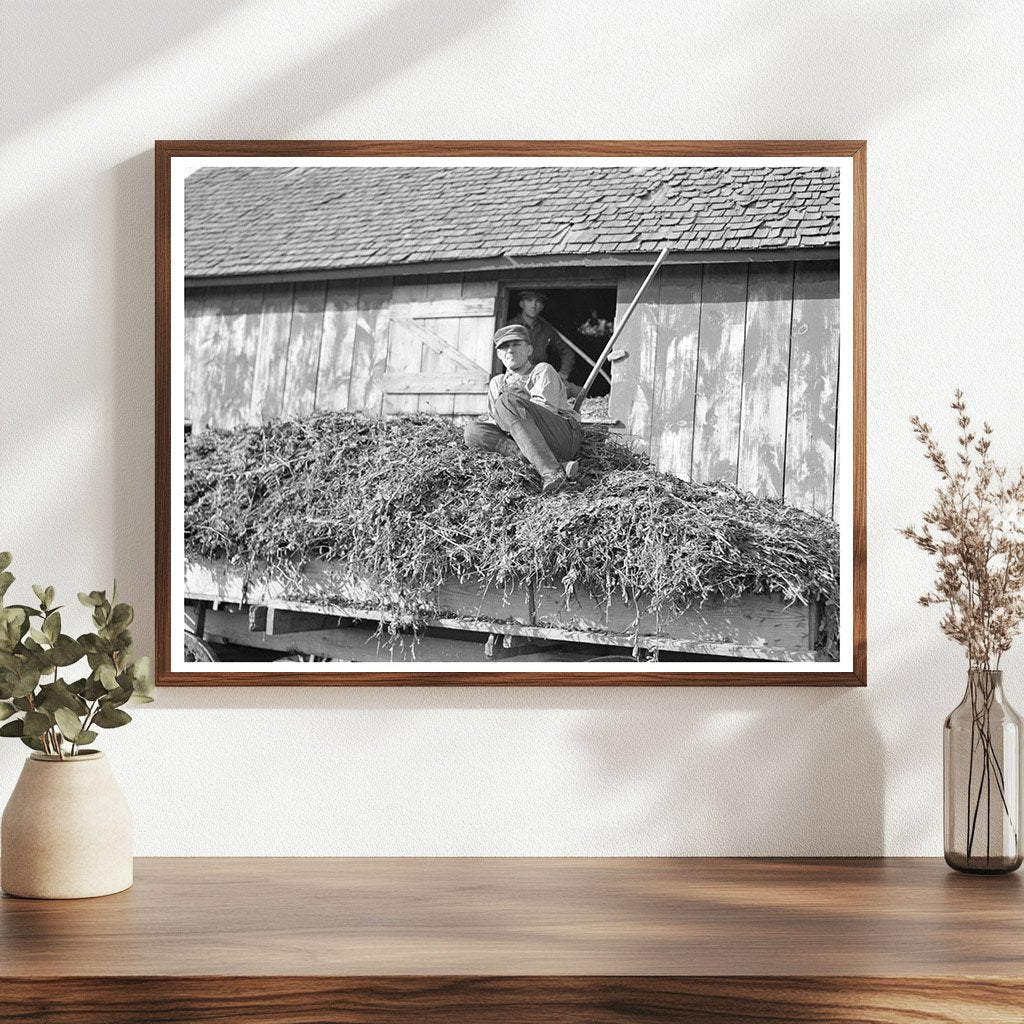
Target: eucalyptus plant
<point x="46" y="712"/>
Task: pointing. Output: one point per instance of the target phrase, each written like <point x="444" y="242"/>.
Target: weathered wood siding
<point x="732" y="368"/>
<point x="256" y="353"/>
<point x="733" y="374"/>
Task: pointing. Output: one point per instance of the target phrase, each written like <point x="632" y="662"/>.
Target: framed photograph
<point x="491" y="413"/>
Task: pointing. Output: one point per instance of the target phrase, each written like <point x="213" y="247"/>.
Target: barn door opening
<point x="585" y="317"/>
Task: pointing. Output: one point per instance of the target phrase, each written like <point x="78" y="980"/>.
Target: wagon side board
<point x="755" y="626"/>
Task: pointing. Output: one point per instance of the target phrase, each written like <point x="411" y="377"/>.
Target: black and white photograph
<point x="492" y="414"/>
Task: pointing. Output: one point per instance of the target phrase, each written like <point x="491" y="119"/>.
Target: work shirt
<point x="541" y="383"/>
<point x="546" y="341"/>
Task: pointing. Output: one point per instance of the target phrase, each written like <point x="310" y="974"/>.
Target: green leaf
<point x="6" y="710"/>
<point x="9" y="662"/>
<point x="5" y="559"/>
<point x="15" y="728"/>
<point x="22" y="703"/>
<point x="142" y="678"/>
<point x="86" y="736"/>
<point x="115" y="698"/>
<point x="51" y="626"/>
<point x="13" y="626"/>
<point x="31" y="741"/>
<point x="6" y="579"/>
<point x="123" y="641"/>
<point x="107" y="676"/>
<point x="50" y="595"/>
<point x="94" y="689"/>
<point x="67" y="651"/>
<point x="94" y="644"/>
<point x="28" y="610"/>
<point x="69" y="724"/>
<point x="59" y="695"/>
<point x="40" y="593"/>
<point x="36" y="723"/>
<point x="111" y="718"/>
<point x="89" y="600"/>
<point x="122" y="615"/>
<point x="27" y="681"/>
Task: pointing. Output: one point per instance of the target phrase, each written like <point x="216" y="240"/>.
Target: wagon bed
<point x="286" y="615"/>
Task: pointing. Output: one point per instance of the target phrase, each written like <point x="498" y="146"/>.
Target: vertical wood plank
<point x="304" y="348"/>
<point x="370" y="346"/>
<point x="208" y="370"/>
<point x="340" y="313"/>
<point x="243" y="335"/>
<point x="272" y="353"/>
<point x="448" y="329"/>
<point x="676" y="369"/>
<point x="195" y="300"/>
<point x="716" y="427"/>
<point x="813" y="380"/>
<point x="766" y="378"/>
<point x="624" y="371"/>
<point x="632" y="397"/>
<point x="404" y="353"/>
<point x="476" y="334"/>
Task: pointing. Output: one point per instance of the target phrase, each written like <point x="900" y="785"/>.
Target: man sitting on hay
<point x="528" y="413"/>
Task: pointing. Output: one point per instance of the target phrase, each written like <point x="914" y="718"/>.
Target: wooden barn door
<point x="439" y="345"/>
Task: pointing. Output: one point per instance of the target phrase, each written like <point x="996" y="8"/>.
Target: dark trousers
<point x="541" y="436"/>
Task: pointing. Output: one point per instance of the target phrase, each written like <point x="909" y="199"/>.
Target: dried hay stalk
<point x="403" y="502"/>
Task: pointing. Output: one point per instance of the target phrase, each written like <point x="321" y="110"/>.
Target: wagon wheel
<point x="613" y="657"/>
<point x="198" y="650"/>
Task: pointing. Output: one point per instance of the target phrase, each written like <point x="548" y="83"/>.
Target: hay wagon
<point x="323" y="613"/>
<point x="727" y="371"/>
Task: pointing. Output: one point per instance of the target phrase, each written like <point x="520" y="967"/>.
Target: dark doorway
<point x="585" y="316"/>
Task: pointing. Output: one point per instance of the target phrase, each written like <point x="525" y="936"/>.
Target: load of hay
<point x="403" y="502"/>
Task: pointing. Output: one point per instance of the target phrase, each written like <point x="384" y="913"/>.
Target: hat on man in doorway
<point x="514" y="332"/>
<point x="533" y="293"/>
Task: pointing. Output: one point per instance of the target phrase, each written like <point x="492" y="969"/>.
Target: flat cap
<point x="514" y="332"/>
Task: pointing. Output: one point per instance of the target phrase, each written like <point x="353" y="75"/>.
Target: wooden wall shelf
<point x="501" y="941"/>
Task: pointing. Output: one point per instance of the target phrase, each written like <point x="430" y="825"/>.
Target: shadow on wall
<point x="45" y="87"/>
<point x="790" y="772"/>
<point x="392" y="40"/>
<point x="694" y="771"/>
<point x="801" y="53"/>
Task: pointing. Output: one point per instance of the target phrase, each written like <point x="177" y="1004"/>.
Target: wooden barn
<point x="378" y="289"/>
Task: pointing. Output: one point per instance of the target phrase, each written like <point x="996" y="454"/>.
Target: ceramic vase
<point x="66" y="831"/>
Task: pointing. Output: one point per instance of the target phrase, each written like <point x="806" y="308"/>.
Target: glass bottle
<point x="981" y="775"/>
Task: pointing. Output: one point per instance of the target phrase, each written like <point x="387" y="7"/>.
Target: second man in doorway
<point x="548" y="345"/>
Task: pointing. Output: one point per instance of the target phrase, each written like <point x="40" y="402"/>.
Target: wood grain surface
<point x="356" y="940"/>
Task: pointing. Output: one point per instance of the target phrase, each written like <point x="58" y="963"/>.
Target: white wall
<point x="936" y="89"/>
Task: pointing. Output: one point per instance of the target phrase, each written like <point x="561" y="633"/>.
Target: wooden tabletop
<point x="503" y="918"/>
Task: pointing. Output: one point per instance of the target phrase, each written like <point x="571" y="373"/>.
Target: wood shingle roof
<point x="253" y="220"/>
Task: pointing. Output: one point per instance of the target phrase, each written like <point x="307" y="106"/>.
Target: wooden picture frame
<point x="760" y="247"/>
